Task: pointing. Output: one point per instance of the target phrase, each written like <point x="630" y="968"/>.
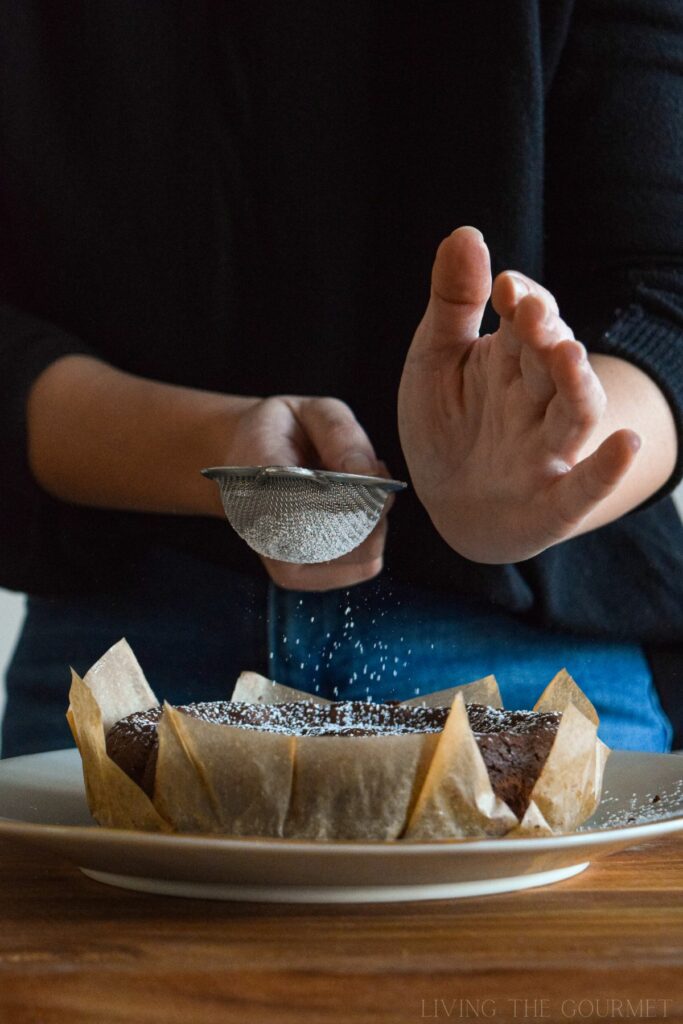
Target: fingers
<point x="537" y="324"/>
<point x="592" y="480"/>
<point x="268" y="434"/>
<point x="292" y="430"/>
<point x="533" y="333"/>
<point x="331" y="430"/>
<point x="461" y="286"/>
<point x="559" y="383"/>
<point x="509" y="289"/>
<point x="523" y="344"/>
<point x="336" y="435"/>
<point x="557" y="377"/>
<point x="529" y="313"/>
<point x="522" y="347"/>
<point x="578" y="404"/>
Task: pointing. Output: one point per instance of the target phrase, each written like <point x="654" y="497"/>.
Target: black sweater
<point x="157" y="156"/>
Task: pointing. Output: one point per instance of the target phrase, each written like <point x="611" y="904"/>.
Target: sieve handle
<point x="293" y="471"/>
<point x="323" y="477"/>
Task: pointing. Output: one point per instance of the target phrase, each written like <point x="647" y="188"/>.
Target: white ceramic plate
<point x="42" y="802"/>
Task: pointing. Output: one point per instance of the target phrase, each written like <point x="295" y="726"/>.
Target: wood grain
<point x="74" y="950"/>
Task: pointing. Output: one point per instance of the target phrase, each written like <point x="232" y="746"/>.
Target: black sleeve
<point x="614" y="200"/>
<point x="614" y="220"/>
<point x="27" y="346"/>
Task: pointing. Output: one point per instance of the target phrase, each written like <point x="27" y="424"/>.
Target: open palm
<point x="495" y="429"/>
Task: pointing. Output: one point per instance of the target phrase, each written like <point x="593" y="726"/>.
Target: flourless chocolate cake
<point x="514" y="744"/>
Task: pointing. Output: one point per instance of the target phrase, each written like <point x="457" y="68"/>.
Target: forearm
<point x="633" y="400"/>
<point x="101" y="437"/>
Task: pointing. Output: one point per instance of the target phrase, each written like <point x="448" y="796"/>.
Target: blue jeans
<point x="385" y="640"/>
<point x="195" y="626"/>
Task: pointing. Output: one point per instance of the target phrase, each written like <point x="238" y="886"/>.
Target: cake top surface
<point x="342" y="718"/>
<point x="514" y="744"/>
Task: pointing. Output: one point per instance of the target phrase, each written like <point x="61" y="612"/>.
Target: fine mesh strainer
<point x="301" y="515"/>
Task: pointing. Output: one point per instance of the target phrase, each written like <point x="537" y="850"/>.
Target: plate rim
<point x="17" y="828"/>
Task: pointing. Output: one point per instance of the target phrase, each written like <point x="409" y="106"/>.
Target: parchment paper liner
<point x="246" y="776"/>
<point x="223" y="779"/>
<point x="256" y="689"/>
<point x="457" y="797"/>
<point x="568" y="789"/>
<point x="113" y="688"/>
<point x="357" y="787"/>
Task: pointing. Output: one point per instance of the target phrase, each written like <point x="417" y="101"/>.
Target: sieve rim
<point x="293" y="472"/>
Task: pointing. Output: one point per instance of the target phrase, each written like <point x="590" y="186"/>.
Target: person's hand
<point x="496" y="429"/>
<point x="320" y="433"/>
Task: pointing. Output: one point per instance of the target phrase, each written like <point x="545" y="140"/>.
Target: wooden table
<point x="72" y="950"/>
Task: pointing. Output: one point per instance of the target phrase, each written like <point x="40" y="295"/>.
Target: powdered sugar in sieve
<point x="301" y="515"/>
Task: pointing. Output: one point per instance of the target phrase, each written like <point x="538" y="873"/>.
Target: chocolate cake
<point x="514" y="744"/>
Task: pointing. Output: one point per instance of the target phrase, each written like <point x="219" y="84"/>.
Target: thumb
<point x="338" y="438"/>
<point x="461" y="286"/>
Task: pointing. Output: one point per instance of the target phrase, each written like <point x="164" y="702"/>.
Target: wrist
<point x="214" y="442"/>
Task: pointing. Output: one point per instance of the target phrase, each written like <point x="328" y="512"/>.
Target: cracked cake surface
<point x="514" y="744"/>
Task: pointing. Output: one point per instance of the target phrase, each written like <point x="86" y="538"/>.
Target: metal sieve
<point x="301" y="515"/>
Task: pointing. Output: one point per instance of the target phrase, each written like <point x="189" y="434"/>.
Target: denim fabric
<point x="384" y="640"/>
<point x="195" y="626"/>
